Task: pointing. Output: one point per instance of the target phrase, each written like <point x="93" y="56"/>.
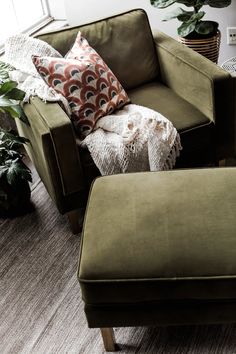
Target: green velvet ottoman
<point x="159" y="248"/>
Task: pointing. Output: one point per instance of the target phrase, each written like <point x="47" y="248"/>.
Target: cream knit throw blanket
<point x="18" y="52"/>
<point x="133" y="139"/>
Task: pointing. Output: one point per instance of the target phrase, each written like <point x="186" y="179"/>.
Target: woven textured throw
<point x="133" y="139"/>
<point x="20" y="48"/>
<point x="18" y="52"/>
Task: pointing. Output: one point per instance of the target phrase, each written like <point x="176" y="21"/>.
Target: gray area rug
<point x="41" y="310"/>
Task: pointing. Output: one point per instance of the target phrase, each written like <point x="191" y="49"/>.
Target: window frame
<point x="34" y="27"/>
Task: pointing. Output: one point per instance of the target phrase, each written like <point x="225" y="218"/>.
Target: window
<point x="21" y="16"/>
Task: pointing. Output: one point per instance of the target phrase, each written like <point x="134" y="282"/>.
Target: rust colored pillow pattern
<point x="91" y="88"/>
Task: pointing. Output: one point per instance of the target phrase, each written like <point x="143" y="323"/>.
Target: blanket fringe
<point x="133" y="139"/>
<point x="174" y="153"/>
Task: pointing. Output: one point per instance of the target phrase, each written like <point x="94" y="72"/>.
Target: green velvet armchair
<point x="157" y="72"/>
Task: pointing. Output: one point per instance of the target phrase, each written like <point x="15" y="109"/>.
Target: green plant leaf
<point x="185" y="16"/>
<point x="13" y="111"/>
<point x="10" y="96"/>
<point x="4" y="70"/>
<point x="15" y="94"/>
<point x="161" y="4"/>
<point x="188" y="3"/>
<point x="15" y="169"/>
<point x="218" y="3"/>
<point x="7" y="86"/>
<point x="6" y="102"/>
<point x="206" y="27"/>
<point x="198" y="16"/>
<point x="12" y="137"/>
<point x="26" y="173"/>
<point x="13" y="108"/>
<point x="3" y="171"/>
<point x="23" y="116"/>
<point x="12" y="154"/>
<point x="186" y="28"/>
<point x="12" y="167"/>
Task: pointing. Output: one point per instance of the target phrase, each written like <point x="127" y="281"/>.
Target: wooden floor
<point x="39" y="289"/>
<point x="41" y="310"/>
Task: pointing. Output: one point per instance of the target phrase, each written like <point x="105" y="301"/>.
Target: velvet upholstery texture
<point x="157" y="72"/>
<point x="125" y="43"/>
<point x="207" y="87"/>
<point x="159" y="239"/>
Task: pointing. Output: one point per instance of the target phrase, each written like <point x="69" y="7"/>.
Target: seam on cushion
<point x="180" y="170"/>
<point x="210" y="120"/>
<point x="198" y="126"/>
<point x="132" y="280"/>
<point x="91" y="23"/>
<point x="84" y="223"/>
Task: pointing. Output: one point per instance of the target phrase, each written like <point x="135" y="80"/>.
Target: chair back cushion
<point x="88" y="84"/>
<point x="124" y="41"/>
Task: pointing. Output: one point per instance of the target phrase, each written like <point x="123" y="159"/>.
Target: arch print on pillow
<point x="91" y="88"/>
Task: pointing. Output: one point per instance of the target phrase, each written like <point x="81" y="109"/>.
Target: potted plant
<point x="200" y="35"/>
<point x="14" y="174"/>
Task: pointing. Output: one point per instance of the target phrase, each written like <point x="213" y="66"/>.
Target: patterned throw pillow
<point x="92" y="90"/>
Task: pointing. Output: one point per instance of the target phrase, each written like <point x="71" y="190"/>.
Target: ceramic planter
<point x="208" y="47"/>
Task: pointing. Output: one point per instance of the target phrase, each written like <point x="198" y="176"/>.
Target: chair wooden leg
<point x="108" y="339"/>
<point x="75" y="221"/>
<point x="222" y="163"/>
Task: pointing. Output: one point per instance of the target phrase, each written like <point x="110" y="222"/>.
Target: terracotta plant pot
<point x="208" y="47"/>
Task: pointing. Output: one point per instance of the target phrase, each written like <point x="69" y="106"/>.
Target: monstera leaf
<point x="218" y="3"/>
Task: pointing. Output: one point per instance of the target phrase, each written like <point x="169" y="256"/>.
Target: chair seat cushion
<point x="161" y="98"/>
<point x="160" y="236"/>
<point x="196" y="130"/>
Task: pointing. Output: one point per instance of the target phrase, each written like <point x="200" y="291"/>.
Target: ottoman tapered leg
<point x="74" y="218"/>
<point x="108" y="339"/>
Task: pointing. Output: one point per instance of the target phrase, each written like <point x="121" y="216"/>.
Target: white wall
<point x="57" y="9"/>
<point x="83" y="11"/>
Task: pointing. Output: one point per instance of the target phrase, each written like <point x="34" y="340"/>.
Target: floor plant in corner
<point x="14" y="174"/>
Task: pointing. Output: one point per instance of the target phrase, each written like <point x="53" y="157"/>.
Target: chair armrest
<point x="63" y="139"/>
<point x="51" y="131"/>
<point x="200" y="82"/>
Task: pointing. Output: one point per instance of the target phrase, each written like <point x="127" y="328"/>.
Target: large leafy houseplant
<point x="10" y="96"/>
<point x="192" y="25"/>
<point x="14" y="174"/>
